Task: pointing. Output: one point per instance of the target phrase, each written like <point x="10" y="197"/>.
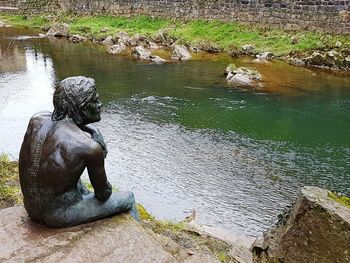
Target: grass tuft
<point x="344" y="200"/>
<point x="10" y="192"/>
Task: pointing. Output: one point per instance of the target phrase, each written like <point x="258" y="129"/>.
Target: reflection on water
<point x="181" y="139"/>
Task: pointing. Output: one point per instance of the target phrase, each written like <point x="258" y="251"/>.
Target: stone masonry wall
<point x="331" y="16"/>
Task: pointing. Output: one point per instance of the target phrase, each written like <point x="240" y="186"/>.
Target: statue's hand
<point x="96" y="135"/>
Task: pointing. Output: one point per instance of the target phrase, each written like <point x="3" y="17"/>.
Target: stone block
<point x="317" y="229"/>
<point x="117" y="239"/>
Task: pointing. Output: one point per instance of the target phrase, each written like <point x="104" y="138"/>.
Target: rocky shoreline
<point x="334" y="58"/>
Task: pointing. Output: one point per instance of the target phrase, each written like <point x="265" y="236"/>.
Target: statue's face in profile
<point x="91" y="111"/>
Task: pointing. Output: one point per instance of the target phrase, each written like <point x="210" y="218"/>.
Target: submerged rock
<point x="116" y="49"/>
<point x="58" y="30"/>
<point x="243" y="77"/>
<point x="317" y="229"/>
<point x="180" y="52"/>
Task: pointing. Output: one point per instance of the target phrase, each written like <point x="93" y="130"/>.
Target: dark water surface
<point x="182" y="139"/>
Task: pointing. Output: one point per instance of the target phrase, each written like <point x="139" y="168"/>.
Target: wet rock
<point x="76" y="38"/>
<point x="180" y="52"/>
<point x="116" y="49"/>
<point x="248" y="48"/>
<point x="58" y="30"/>
<point x="141" y="53"/>
<point x="317" y="229"/>
<point x="116" y="239"/>
<point x="108" y="41"/>
<point x="265" y="56"/>
<point x="157" y="60"/>
<point x="242" y="77"/>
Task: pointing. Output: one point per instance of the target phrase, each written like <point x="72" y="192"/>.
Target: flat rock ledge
<point x="116" y="239"/>
<point x="317" y="229"/>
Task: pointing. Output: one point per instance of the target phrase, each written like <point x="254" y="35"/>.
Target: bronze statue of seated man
<point x="56" y="150"/>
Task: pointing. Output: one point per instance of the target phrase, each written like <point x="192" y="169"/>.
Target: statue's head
<point x="77" y="98"/>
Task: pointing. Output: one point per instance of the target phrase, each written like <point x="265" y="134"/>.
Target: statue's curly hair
<point x="70" y="96"/>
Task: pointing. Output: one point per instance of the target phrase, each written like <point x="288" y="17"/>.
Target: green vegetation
<point x="224" y="36"/>
<point x="344" y="200"/>
<point x="10" y="193"/>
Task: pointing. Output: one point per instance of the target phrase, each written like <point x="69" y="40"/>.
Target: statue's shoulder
<point x="41" y="116"/>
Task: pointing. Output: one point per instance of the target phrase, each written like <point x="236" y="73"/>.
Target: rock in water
<point x="122" y="37"/>
<point x="116" y="239"/>
<point x="243" y="77"/>
<point x="141" y="53"/>
<point x="58" y="30"/>
<point x="180" y="52"/>
<point x="117" y="48"/>
<point x="265" y="56"/>
<point x="317" y="229"/>
<point x="108" y="41"/>
<point x="157" y="60"/>
<point x="77" y="38"/>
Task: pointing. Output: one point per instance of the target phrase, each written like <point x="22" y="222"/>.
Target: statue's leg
<point x="90" y="209"/>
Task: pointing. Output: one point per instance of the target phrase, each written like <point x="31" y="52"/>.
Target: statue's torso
<point x="51" y="163"/>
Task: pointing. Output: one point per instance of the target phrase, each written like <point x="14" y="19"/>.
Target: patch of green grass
<point x="21" y="20"/>
<point x="344" y="200"/>
<point x="10" y="192"/>
<point x="223" y="257"/>
<point x="92" y="25"/>
<point x="143" y="213"/>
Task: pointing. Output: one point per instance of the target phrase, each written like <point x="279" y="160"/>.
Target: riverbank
<point x="182" y="240"/>
<point x="300" y="48"/>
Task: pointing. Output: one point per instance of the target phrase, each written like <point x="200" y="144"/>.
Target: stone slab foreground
<point x="116" y="239"/>
<point x="317" y="229"/>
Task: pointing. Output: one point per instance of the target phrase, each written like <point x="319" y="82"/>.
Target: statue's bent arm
<point x="97" y="174"/>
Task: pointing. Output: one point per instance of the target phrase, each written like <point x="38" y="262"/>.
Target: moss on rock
<point x="10" y="192"/>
